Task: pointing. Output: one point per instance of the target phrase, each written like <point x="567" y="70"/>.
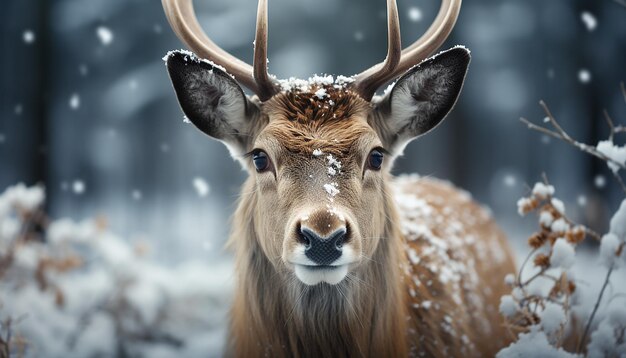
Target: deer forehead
<point x="325" y="120"/>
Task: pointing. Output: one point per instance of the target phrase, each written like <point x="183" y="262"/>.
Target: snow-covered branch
<point x="74" y="289"/>
<point x="540" y="310"/>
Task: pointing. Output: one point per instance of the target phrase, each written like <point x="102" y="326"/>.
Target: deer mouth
<point x="314" y="274"/>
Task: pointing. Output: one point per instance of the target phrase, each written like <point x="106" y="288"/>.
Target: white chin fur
<point x="313" y="277"/>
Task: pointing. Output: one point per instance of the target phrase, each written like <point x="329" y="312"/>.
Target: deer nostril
<point x="303" y="238"/>
<point x="341" y="236"/>
<point x="323" y="250"/>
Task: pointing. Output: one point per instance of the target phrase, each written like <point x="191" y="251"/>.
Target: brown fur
<point x="380" y="309"/>
<point x="303" y="121"/>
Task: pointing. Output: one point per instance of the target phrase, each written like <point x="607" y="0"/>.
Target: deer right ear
<point x="212" y="100"/>
<point x="420" y="99"/>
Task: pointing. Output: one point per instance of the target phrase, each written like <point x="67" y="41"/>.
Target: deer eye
<point x="261" y="161"/>
<point x="375" y="159"/>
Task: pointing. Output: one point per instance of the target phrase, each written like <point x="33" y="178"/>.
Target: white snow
<point x="117" y="295"/>
<point x="201" y="186"/>
<point x="522" y="203"/>
<point x="509" y="180"/>
<point x="533" y="344"/>
<point x="321" y="93"/>
<point x="332" y="189"/>
<point x="74" y="101"/>
<point x="552" y="318"/>
<point x="136" y="194"/>
<point x="614" y="152"/>
<point x="508" y="306"/>
<point x="563" y="254"/>
<point x="22" y="197"/>
<point x="584" y="76"/>
<point x="542" y="191"/>
<point x="546" y="219"/>
<point x="78" y="187"/>
<point x="105" y="35"/>
<point x="608" y="250"/>
<point x="599" y="181"/>
<point x="293" y="84"/>
<point x="589" y="20"/>
<point x="415" y="14"/>
<point x="317" y="152"/>
<point x="558" y="205"/>
<point x="83" y="70"/>
<point x="559" y="225"/>
<point x="509" y="279"/>
<point x="608" y="339"/>
<point x="618" y="222"/>
<point x="359" y="36"/>
<point x="28" y="36"/>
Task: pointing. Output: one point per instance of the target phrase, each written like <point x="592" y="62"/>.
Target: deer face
<point x="318" y="155"/>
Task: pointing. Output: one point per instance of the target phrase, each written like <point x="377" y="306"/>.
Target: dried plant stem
<point x="521" y="269"/>
<point x="562" y="135"/>
<point x="532" y="278"/>
<point x="593" y="313"/>
<point x="559" y="133"/>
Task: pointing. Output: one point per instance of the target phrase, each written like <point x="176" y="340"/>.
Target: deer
<point x="335" y="256"/>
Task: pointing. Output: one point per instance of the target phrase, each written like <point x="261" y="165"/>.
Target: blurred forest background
<point x="86" y="106"/>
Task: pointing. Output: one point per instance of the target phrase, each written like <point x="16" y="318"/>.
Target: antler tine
<point x="265" y="84"/>
<point x="380" y="75"/>
<point x="423" y="47"/>
<point x="182" y="18"/>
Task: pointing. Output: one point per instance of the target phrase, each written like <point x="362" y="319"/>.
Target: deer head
<point x="318" y="152"/>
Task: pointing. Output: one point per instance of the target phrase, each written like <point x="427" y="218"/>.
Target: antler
<point x="398" y="61"/>
<point x="182" y="19"/>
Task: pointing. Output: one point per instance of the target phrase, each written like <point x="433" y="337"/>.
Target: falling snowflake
<point x="589" y="20"/>
<point x="136" y="194"/>
<point x="19" y="109"/>
<point x="509" y="180"/>
<point x="2" y="138"/>
<point x="165" y="147"/>
<point x="415" y="14"/>
<point x="74" y="101"/>
<point x="28" y="36"/>
<point x="599" y="181"/>
<point x="359" y="36"/>
<point x="83" y="70"/>
<point x="201" y="186"/>
<point x="105" y="35"/>
<point x="581" y="200"/>
<point x="78" y="187"/>
<point x="584" y="76"/>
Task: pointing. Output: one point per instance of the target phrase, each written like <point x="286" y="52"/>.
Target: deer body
<point x="335" y="257"/>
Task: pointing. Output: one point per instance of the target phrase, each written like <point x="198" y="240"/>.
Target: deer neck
<point x="274" y="314"/>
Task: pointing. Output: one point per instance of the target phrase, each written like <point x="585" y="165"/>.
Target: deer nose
<point x="323" y="250"/>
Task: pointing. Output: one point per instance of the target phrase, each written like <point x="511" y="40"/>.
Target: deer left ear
<point x="420" y="99"/>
